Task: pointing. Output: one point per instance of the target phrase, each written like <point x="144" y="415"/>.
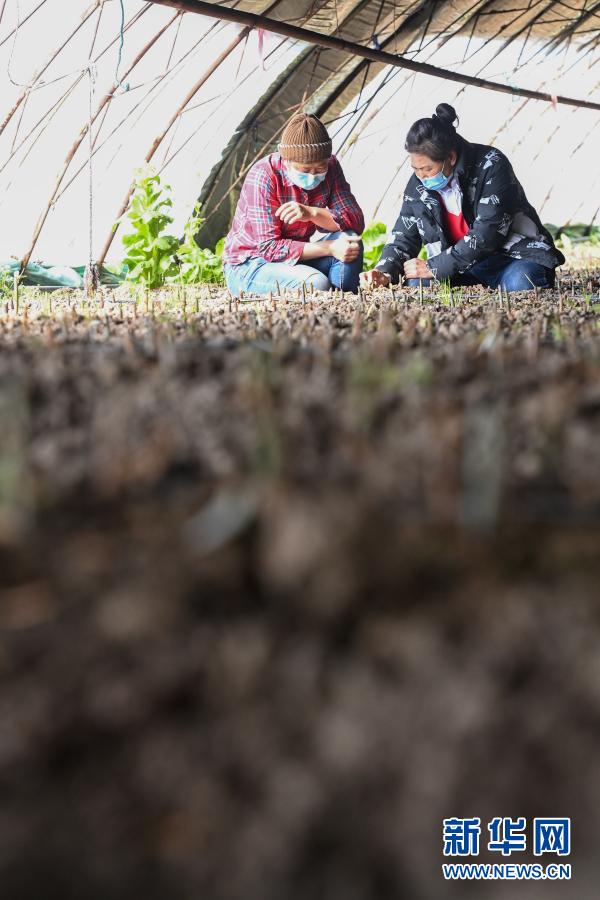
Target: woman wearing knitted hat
<point x="286" y="198"/>
<point x="465" y="205"/>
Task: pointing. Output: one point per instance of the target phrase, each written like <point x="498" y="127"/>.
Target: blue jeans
<point x="257" y="276"/>
<point x="501" y="269"/>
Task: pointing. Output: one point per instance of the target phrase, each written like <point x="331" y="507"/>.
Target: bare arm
<point x="344" y="248"/>
<point x="322" y="218"/>
<point x="316" y="250"/>
<point x="299" y="212"/>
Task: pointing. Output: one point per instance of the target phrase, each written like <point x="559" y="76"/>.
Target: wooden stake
<point x="561" y="306"/>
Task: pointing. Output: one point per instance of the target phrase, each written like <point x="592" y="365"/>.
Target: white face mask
<point x="306" y="180"/>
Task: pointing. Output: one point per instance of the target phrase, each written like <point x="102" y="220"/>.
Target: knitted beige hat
<point x="305" y="140"/>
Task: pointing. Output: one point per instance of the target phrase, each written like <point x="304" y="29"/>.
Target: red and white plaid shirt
<point x="257" y="232"/>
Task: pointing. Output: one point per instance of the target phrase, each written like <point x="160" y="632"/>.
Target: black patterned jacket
<point x="500" y="219"/>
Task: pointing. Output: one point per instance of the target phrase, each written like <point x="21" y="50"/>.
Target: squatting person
<point x="465" y="204"/>
<point x="286" y="198"/>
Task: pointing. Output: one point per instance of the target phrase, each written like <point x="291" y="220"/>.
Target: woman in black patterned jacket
<point x="466" y="206"/>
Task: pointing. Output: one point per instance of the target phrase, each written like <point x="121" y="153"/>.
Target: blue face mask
<point x="436" y="182"/>
<point x="305" y="180"/>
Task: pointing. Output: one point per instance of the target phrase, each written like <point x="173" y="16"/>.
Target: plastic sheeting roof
<point x="248" y="86"/>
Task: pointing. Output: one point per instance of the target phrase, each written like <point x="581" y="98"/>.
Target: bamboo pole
<point x="393" y="37"/>
<point x="46" y="119"/>
<point x="513" y="37"/>
<point x="55" y="107"/>
<point x="160" y="137"/>
<point x="82" y="134"/>
<point x="591" y="43"/>
<point x="21" y="23"/>
<point x="221" y="58"/>
<point x="572" y="27"/>
<point x="97" y="28"/>
<point x="169" y="160"/>
<point x="410" y="18"/>
<point x="555" y="41"/>
<point x="384" y="44"/>
<point x="252" y="20"/>
<point x="266" y="99"/>
<point x="509" y="121"/>
<point x="344" y="84"/>
<point x="36" y="77"/>
<point x="129" y="116"/>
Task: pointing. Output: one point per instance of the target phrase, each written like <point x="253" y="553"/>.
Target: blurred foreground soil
<point x="282" y="586"/>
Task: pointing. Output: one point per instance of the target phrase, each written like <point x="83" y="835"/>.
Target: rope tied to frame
<point x="91" y="277"/>
<point x="123" y="85"/>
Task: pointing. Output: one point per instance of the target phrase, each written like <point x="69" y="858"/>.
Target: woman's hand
<point x="417" y="268"/>
<point x="295" y="212"/>
<point x="374" y="278"/>
<point x="345" y="248"/>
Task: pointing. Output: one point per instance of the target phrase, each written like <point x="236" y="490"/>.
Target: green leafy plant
<point x="580" y="243"/>
<point x="374" y="240"/>
<point x="578" y="233"/>
<point x="6" y="283"/>
<point x="150" y="258"/>
<point x="199" y="263"/>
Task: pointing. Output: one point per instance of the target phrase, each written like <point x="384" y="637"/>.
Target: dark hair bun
<point x="436" y="137"/>
<point x="446" y="114"/>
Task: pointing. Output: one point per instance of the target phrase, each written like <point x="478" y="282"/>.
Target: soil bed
<point x="283" y="584"/>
